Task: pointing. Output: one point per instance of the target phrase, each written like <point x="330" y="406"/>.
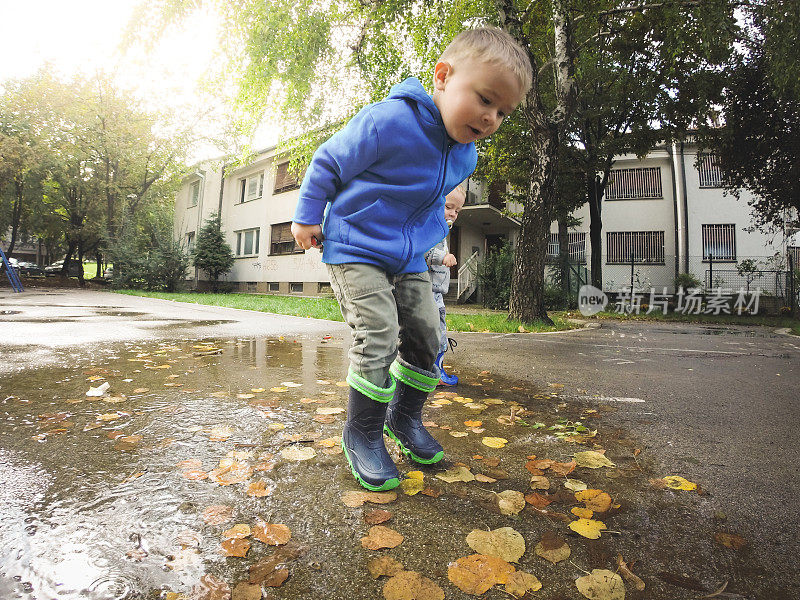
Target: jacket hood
<point x="412" y="89"/>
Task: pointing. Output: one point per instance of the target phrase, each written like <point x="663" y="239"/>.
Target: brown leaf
<point x="563" y="469"/>
<point x="538" y="500"/>
<point x="195" y="475"/>
<point x="410" y="585"/>
<point x="377" y="516"/>
<point x="264" y="569"/>
<point x="273" y="534"/>
<point x="596" y="500"/>
<point x="552" y="548"/>
<point x="258" y="489"/>
<point x="234" y="547"/>
<point x="379" y="537"/>
<point x="235" y="472"/>
<point x="210" y="588"/>
<point x="689" y="583"/>
<point x="354" y="499"/>
<point x="476" y="573"/>
<point x="246" y="591"/>
<point x="628" y="575"/>
<point x="384" y="566"/>
<point x="541" y="464"/>
<point x="238" y="531"/>
<point x="217" y="514"/>
<point x="190" y="463"/>
<point x="539" y="482"/>
<point x="520" y="583"/>
<point x="730" y="540"/>
<point x="491" y="461"/>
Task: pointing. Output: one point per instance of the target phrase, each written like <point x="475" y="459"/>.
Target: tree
<point x="211" y="252"/>
<point x="303" y="52"/>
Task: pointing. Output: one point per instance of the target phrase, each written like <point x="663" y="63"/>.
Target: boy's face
<point x="474" y="98"/>
<point x="453" y="203"/>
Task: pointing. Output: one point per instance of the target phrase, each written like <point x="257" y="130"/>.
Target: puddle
<point x="97" y="501"/>
<point x="10" y="312"/>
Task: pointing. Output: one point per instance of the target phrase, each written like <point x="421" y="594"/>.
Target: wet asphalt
<point x="717" y="405"/>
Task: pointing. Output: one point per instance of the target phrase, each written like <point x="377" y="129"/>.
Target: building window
<point x="281" y="240"/>
<point x="274" y="286"/>
<point x="284" y="179"/>
<point x="643" y="247"/>
<point x="252" y="188"/>
<point x="794" y="252"/>
<point x="324" y="287"/>
<point x="710" y="172"/>
<point x="194" y="193"/>
<point x="247" y="242"/>
<point x="634" y="184"/>
<point x="576" y="243"/>
<point x="719" y="242"/>
<point x="296" y="287"/>
<point x="190" y="242"/>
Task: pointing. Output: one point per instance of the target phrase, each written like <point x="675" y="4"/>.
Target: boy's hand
<point x="449" y="260"/>
<point x="307" y="236"/>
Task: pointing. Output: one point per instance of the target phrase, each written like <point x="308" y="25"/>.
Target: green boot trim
<point x="369" y="389"/>
<point x="389" y="484"/>
<point x="413" y="378"/>
<point x="424" y="461"/>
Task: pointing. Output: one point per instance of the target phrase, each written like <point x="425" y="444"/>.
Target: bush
<point x="555" y="298"/>
<point x="158" y="268"/>
<point x="686" y="281"/>
<point x="494" y="275"/>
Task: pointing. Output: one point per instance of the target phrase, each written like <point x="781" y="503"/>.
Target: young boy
<point x="380" y="183"/>
<point x="439" y="262"/>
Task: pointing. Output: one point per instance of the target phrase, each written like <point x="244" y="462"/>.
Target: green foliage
<point x="686" y="281"/>
<point x="212" y="253"/>
<point x="494" y="276"/>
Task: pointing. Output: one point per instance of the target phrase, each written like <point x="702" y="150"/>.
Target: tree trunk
<point x="527" y="282"/>
<point x="595" y="230"/>
<point x="16" y="214"/>
<point x="563" y="257"/>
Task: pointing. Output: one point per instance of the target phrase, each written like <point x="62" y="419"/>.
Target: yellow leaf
<point x="676" y="482"/>
<point x="476" y="573"/>
<point x="582" y="513"/>
<point x="505" y="543"/>
<point x="278" y="389"/>
<point x="601" y="584"/>
<point x="380" y="536"/>
<point x="588" y="528"/>
<point x="459" y="434"/>
<point x="471" y="423"/>
<point x="416" y="475"/>
<point x="575" y="485"/>
<point x="520" y="583"/>
<point x="456" y="474"/>
<point x="592" y="459"/>
<point x="258" y="390"/>
<point x="410" y="584"/>
<point x="241" y="530"/>
<point x="412" y="486"/>
<point x="494" y="442"/>
<point x="596" y="500"/>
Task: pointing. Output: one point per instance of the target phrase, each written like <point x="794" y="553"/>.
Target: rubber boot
<point x="445" y="378"/>
<point x="404" y="425"/>
<point x="362" y="442"/>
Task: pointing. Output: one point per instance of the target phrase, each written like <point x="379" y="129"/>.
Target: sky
<point x="82" y="36"/>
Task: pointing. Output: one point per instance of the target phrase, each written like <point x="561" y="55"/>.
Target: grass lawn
<point x="327" y="308"/>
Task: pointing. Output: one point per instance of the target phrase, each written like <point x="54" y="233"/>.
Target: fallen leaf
<point x="379" y="537"/>
<point x="471" y="423"/>
<point x="412" y="485"/>
<point x="494" y="442"/>
<point x="195" y="474"/>
<point x="456" y="473"/>
<point x="377" y="516"/>
<point x="258" y="489"/>
<point x="592" y="459"/>
<point x="563" y="469"/>
<point x="230" y="474"/>
<point x="539" y="482"/>
<point x="354" y="499"/>
<point x="384" y="566"/>
<point x="210" y="588"/>
<point x="484" y="478"/>
<point x="510" y="502"/>
<point x="276" y="578"/>
<point x="298" y="453"/>
<point x="238" y="531"/>
<point x="217" y="514"/>
<point x="676" y="482"/>
<point x="459" y="434"/>
<point x="235" y="547"/>
<point x="596" y="500"/>
<point x="476" y="573"/>
<point x="191" y="463"/>
<point x="410" y="585"/>
<point x="730" y="540"/>
<point x="505" y="543"/>
<point x="588" y="528"/>
<point x="220" y="433"/>
<point x="272" y="534"/>
<point x="601" y="584"/>
<point x="538" y="500"/>
<point x="552" y="548"/>
<point x="140" y="391"/>
<point x="628" y="575"/>
<point x="520" y="583"/>
<point x="245" y="590"/>
<point x="575" y="485"/>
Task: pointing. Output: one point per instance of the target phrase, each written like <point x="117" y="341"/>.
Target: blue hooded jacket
<point x="385" y="175"/>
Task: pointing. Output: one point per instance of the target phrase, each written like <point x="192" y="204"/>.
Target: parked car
<point x="30" y="269"/>
<point x="75" y="268"/>
<point x="109" y="272"/>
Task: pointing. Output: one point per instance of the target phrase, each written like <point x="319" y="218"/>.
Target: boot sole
<point x="423" y="461"/>
<point x="389" y="484"/>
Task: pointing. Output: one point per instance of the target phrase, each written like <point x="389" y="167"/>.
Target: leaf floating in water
<point x="217" y="514"/>
<point x="272" y="534"/>
<point x="476" y="573"/>
<point x="410" y="585"/>
<point x="601" y="584"/>
<point x="298" y="453"/>
<point x="379" y="537"/>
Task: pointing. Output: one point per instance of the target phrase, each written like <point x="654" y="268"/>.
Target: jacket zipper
<point x="448" y="147"/>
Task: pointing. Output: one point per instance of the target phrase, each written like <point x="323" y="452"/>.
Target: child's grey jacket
<point x="440" y="275"/>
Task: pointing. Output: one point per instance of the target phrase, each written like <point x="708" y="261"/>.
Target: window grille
<point x="247" y="242"/>
<point x="284" y="179"/>
<point x="794" y="251"/>
<point x="719" y="242"/>
<point x="643" y="247"/>
<point x="282" y="240"/>
<point x="295" y="287"/>
<point x="637" y="183"/>
<point x="190" y="242"/>
<point x="576" y="244"/>
<point x="710" y="172"/>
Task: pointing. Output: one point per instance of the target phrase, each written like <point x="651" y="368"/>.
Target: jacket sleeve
<point x="435" y="256"/>
<point x="343" y="156"/>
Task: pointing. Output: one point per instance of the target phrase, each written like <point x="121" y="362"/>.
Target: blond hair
<point x="493" y="46"/>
